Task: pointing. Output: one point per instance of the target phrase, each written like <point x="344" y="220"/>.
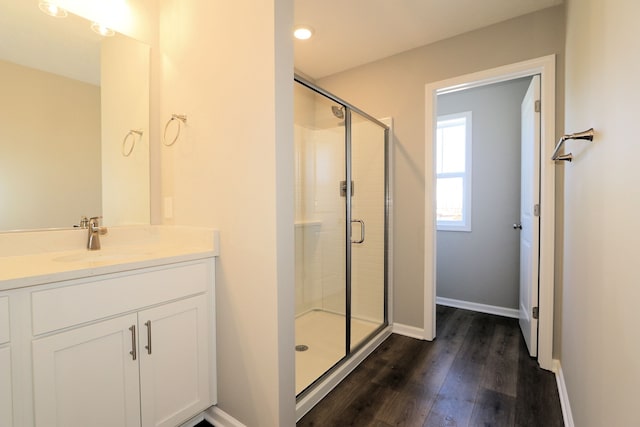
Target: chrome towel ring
<point x="180" y="119"/>
<point x="132" y="133"/>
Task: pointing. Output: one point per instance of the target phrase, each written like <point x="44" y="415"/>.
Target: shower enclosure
<point x="341" y="222"/>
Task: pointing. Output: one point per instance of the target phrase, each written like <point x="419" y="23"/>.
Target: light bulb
<point x="102" y="30"/>
<point x="303" y="33"/>
<point x="52" y="9"/>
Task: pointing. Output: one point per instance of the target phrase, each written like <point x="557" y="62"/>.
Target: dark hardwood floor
<point x="476" y="373"/>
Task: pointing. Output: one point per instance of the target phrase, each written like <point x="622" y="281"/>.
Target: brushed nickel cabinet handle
<point x="133" y="352"/>
<point x="148" y="346"/>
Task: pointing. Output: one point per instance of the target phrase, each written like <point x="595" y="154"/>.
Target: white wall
<point x="229" y="68"/>
<point x="482" y="266"/>
<point x="600" y="344"/>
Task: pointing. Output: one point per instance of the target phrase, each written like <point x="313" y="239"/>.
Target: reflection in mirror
<point x="69" y="99"/>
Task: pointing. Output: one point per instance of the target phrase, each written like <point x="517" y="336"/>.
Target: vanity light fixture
<point x="303" y="33"/>
<point x="52" y="9"/>
<point x="102" y="30"/>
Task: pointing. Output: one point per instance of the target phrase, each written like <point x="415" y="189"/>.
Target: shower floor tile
<point x="324" y="334"/>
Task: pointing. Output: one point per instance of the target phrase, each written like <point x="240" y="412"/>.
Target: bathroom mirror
<point x="74" y="122"/>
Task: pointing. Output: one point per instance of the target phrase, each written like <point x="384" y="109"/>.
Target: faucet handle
<point x="94" y="225"/>
<point x="84" y="222"/>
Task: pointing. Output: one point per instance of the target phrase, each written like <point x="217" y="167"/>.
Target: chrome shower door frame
<point x="349" y="192"/>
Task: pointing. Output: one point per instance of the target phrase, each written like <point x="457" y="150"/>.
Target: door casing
<point x="545" y="66"/>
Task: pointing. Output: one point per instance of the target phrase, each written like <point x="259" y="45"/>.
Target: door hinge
<point x="343" y="188"/>
<point x="536" y="209"/>
<point x="535" y="312"/>
<point x="537" y="106"/>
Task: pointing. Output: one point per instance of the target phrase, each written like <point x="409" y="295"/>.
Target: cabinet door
<point x="87" y="376"/>
<point x="6" y="403"/>
<point x="174" y="371"/>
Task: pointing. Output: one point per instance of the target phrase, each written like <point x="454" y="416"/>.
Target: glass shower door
<point x="340" y="232"/>
<point x="320" y="234"/>
<point x="368" y="229"/>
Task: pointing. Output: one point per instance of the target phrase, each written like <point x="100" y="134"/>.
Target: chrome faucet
<point x="93" y="243"/>
<point x="84" y="223"/>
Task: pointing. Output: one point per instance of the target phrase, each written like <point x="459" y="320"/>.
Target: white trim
<point x="465" y="224"/>
<point x="220" y="418"/>
<point x="481" y="308"/>
<point x="408" y="331"/>
<point x="567" y="415"/>
<point x="193" y="421"/>
<point x="314" y="396"/>
<point x="546" y="67"/>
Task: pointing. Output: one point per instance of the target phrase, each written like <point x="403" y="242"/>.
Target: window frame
<point x="465" y="223"/>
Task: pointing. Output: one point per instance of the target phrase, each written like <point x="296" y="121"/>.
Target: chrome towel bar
<point x="587" y="135"/>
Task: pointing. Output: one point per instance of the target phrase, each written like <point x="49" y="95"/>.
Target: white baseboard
<point x="482" y="308"/>
<point x="220" y="418"/>
<point x="408" y="331"/>
<point x="567" y="415"/>
<point x="193" y="421"/>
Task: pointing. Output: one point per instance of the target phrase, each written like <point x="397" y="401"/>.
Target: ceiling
<point x="349" y="33"/>
<point x="64" y="46"/>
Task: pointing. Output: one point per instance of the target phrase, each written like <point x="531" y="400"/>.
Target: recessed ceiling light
<point x="102" y="30"/>
<point x="302" y="33"/>
<point x="52" y="9"/>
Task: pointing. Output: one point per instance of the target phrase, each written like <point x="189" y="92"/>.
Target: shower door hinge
<point x="537" y="106"/>
<point x="536" y="209"/>
<point x="343" y="189"/>
<point x="535" y="312"/>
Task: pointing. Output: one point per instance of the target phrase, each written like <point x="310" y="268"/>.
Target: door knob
<point x="517" y="226"/>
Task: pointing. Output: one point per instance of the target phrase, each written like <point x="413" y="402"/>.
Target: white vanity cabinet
<point x="125" y="350"/>
<point x="6" y="401"/>
<point x="85" y="376"/>
<point x="173" y="362"/>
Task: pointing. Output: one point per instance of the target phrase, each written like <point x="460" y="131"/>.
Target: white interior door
<point x="529" y="218"/>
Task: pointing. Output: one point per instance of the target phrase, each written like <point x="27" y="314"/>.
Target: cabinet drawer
<point x="92" y="299"/>
<point x="5" y="335"/>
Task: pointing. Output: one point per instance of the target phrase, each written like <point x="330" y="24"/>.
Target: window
<point x="453" y="172"/>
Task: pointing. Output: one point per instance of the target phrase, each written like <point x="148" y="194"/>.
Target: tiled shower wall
<point x="320" y="216"/>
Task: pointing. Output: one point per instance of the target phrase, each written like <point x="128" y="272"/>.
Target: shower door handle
<point x="357" y="242"/>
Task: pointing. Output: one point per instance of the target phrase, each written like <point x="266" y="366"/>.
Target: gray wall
<point x="482" y="266"/>
<point x="395" y="87"/>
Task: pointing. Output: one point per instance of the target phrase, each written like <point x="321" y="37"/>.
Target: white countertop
<point x="38" y="257"/>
